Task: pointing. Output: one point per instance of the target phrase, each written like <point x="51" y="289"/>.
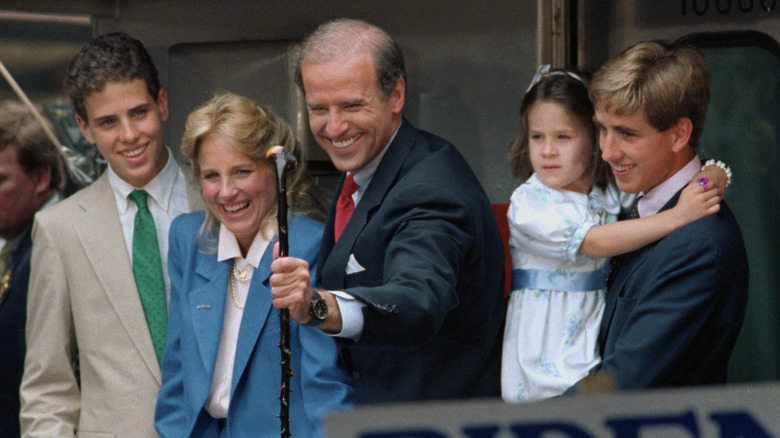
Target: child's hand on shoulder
<point x="698" y="199"/>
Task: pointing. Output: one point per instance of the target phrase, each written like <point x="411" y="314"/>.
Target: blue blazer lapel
<point x="207" y="304"/>
<point x="256" y="312"/>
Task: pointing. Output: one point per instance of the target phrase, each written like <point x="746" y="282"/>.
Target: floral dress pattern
<point x="557" y="298"/>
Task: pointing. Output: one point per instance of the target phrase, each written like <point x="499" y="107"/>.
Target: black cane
<point x="283" y="161"/>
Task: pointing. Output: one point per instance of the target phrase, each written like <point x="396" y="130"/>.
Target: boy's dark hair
<point x="110" y="57"/>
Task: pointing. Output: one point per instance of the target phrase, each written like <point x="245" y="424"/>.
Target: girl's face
<point x="559" y="147"/>
<point x="238" y="189"/>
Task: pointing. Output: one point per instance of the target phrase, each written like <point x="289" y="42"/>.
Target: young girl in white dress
<point x="559" y="242"/>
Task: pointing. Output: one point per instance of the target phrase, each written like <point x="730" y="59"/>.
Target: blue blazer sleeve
<point x="169" y="416"/>
<point x="326" y="387"/>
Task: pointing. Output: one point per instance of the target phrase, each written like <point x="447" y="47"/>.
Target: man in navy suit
<point x="31" y="175"/>
<point x="412" y="285"/>
<point x="675" y="307"/>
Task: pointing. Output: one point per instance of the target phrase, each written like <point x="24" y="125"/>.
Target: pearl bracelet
<point x="722" y="166"/>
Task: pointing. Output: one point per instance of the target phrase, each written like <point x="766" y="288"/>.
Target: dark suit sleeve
<point x="680" y="311"/>
<point x="427" y="231"/>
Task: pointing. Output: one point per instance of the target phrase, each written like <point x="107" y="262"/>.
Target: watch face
<point x="319" y="309"/>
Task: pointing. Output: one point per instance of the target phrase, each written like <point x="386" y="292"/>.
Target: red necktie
<point x="344" y="206"/>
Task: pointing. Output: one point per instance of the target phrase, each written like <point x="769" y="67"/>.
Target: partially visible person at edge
<point x="411" y="284"/>
<point x="98" y="287"/>
<point x="563" y="228"/>
<point x="674" y="307"/>
<point x="221" y="374"/>
<point x="32" y="176"/>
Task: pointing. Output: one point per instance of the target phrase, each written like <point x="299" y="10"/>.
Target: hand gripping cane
<point x="283" y="161"/>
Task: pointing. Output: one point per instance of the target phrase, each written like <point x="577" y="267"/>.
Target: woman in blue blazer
<point x="220" y="371"/>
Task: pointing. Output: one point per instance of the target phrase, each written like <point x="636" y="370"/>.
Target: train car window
<point x="260" y="70"/>
<point x="53" y="39"/>
<point x="743" y="129"/>
<point x="36" y="49"/>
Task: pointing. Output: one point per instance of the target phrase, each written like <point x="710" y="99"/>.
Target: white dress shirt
<point x="218" y="401"/>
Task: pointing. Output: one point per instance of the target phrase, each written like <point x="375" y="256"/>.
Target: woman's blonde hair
<point x="251" y="129"/>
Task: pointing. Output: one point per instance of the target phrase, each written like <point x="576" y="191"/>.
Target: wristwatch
<point x="318" y="309"/>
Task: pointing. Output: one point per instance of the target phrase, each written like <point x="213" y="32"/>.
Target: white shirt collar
<point x="653" y="201"/>
<point x="160" y="188"/>
<point x="363" y="176"/>
<point x="228" y="247"/>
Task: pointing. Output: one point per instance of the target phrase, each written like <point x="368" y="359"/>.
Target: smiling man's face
<point x="348" y="115"/>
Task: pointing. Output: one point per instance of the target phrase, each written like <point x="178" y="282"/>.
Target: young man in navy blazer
<point x="675" y="307"/>
<point x="413" y="286"/>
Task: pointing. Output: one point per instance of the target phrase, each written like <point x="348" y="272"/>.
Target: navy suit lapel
<point x="18" y="269"/>
<point x="328" y="235"/>
<point x="631" y="262"/>
<point x="23" y="251"/>
<point x="332" y="269"/>
<point x="21" y="256"/>
<point x="207" y="304"/>
<point x="256" y="312"/>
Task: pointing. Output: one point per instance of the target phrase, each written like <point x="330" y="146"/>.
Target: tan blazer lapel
<point x="101" y="236"/>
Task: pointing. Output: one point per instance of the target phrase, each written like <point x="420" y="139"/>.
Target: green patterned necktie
<point x="147" y="269"/>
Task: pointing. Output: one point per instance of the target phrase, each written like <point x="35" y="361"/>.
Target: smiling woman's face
<point x="237" y="189"/>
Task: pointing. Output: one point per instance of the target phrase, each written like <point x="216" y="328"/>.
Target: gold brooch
<point x="238" y="274"/>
